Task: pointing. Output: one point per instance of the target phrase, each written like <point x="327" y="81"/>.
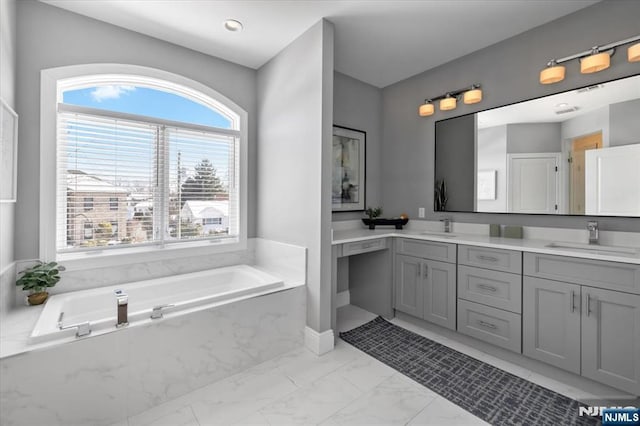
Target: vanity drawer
<point x="501" y="290"/>
<point x="366" y="246"/>
<point x="444" y="252"/>
<point x="597" y="273"/>
<point x="492" y="325"/>
<point x="496" y="259"/>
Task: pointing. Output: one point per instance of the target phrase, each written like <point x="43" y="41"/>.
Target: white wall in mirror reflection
<point x="567" y="125"/>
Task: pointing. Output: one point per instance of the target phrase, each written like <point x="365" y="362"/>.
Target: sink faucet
<point x="447" y="224"/>
<point x="592" y="227"/>
<point x="123" y="306"/>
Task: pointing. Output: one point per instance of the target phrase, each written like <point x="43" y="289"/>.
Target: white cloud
<point x="101" y="93"/>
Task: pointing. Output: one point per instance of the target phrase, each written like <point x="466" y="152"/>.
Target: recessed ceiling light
<point x="562" y="105"/>
<point x="233" y="25"/>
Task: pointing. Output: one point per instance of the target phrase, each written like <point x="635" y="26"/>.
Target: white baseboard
<point x="318" y="343"/>
<point x="343" y="299"/>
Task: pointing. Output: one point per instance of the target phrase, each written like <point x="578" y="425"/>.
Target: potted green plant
<point x="373" y="213"/>
<point x="37" y="279"/>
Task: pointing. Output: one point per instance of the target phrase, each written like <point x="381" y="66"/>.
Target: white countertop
<point x="528" y="245"/>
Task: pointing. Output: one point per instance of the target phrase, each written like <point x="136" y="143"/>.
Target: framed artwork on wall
<point x="348" y="186"/>
<point x="487" y="184"/>
<point x="8" y="153"/>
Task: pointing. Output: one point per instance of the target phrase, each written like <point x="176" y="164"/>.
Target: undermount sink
<point x="439" y="234"/>
<point x="593" y="247"/>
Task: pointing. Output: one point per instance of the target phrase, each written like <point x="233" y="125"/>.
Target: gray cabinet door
<point x="611" y="338"/>
<point x="551" y="322"/>
<point x="440" y="293"/>
<point x="409" y="285"/>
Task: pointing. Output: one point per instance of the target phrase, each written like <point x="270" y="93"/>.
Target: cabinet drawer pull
<point x="369" y="245"/>
<point x="588" y="304"/>
<point x="419" y="270"/>
<point x="487" y="258"/>
<point x="573" y="301"/>
<point x="487" y="324"/>
<point x="426" y="270"/>
<point x="487" y="287"/>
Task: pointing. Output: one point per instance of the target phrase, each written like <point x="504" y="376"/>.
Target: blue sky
<point x="158" y="104"/>
<point x="145" y="101"/>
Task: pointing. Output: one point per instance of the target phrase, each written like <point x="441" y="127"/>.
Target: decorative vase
<point x="37" y="298"/>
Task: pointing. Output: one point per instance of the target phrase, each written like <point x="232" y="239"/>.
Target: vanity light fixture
<point x="633" y="54"/>
<point x="233" y="25"/>
<point x="426" y="109"/>
<point x="596" y="59"/>
<point x="595" y="62"/>
<point x="449" y="101"/>
<point x="553" y="73"/>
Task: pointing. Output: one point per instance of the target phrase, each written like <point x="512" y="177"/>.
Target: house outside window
<point x="131" y="172"/>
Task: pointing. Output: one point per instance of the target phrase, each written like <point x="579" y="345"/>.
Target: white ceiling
<point x="377" y="41"/>
<point x="543" y="110"/>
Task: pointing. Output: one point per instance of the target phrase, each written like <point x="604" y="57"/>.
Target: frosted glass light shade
<point x="472" y="96"/>
<point x="595" y="63"/>
<point x="447" y="104"/>
<point x="633" y="54"/>
<point x="552" y="74"/>
<point x="426" y="110"/>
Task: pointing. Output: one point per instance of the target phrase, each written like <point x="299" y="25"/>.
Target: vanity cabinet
<point x="409" y="285"/>
<point x="426" y="288"/>
<point x="611" y="338"/>
<point x="490" y="295"/>
<point x="587" y="330"/>
<point x="551" y="322"/>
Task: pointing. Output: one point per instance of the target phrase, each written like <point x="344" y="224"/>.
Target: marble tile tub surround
<point x="285" y="261"/>
<point x="104" y="379"/>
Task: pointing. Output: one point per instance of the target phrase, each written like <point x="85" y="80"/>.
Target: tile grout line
<point x="423" y="408"/>
<point x="193" y="413"/>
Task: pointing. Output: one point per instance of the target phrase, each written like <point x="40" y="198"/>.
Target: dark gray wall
<point x="455" y="150"/>
<point x="51" y="37"/>
<point x="624" y="127"/>
<point x="358" y="105"/>
<point x="523" y="138"/>
<point x="508" y="72"/>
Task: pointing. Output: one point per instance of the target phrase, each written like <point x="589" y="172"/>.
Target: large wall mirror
<point x="572" y="153"/>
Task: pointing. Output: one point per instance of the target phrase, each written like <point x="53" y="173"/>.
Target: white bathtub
<point x="185" y="292"/>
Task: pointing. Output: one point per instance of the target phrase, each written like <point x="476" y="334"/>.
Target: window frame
<point x="54" y="82"/>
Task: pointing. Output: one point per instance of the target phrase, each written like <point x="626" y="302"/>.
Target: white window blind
<point x="149" y="182"/>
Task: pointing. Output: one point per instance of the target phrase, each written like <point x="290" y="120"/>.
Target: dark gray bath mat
<point x="492" y="394"/>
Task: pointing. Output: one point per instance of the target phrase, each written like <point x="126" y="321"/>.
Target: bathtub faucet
<point x="123" y="306"/>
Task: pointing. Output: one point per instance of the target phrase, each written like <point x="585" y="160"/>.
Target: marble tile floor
<point x="342" y="387"/>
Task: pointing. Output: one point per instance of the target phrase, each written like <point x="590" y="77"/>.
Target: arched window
<point x="143" y="161"/>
